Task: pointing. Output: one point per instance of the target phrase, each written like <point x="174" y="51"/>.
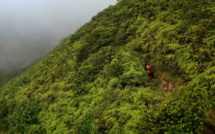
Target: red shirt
<point x="149" y="69"/>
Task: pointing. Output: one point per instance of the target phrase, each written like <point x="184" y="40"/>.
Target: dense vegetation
<point x="94" y="80"/>
<point x="3" y="79"/>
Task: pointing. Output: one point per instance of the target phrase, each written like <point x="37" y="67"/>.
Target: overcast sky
<point x="31" y="28"/>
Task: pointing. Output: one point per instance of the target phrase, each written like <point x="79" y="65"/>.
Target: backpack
<point x="152" y="69"/>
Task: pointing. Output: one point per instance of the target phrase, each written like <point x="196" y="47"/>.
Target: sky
<point x="29" y="29"/>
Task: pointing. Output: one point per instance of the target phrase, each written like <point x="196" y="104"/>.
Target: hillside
<point x="94" y="81"/>
<point x="4" y="79"/>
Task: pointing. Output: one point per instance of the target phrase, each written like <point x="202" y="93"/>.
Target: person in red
<point x="151" y="71"/>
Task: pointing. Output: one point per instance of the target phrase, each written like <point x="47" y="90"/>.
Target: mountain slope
<point x="94" y="81"/>
<point x="4" y="79"/>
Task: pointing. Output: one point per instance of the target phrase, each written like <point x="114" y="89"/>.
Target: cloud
<point x="29" y="29"/>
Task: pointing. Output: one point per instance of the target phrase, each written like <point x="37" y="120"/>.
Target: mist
<point x="29" y="29"/>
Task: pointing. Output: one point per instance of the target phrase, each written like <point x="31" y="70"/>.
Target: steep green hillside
<point x="95" y="82"/>
<point x="3" y="79"/>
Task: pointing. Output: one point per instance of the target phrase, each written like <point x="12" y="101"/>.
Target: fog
<point x="29" y="29"/>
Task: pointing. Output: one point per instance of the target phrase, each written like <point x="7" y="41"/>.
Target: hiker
<point x="147" y="64"/>
<point x="151" y="71"/>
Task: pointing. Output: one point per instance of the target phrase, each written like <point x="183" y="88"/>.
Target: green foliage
<point x="100" y="37"/>
<point x="94" y="81"/>
<point x="3" y="80"/>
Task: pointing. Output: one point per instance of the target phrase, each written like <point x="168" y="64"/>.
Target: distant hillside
<point x="94" y="81"/>
<point x="4" y="79"/>
<point x="6" y="76"/>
